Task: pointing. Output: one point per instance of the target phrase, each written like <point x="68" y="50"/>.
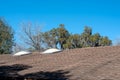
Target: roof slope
<point x="100" y="63"/>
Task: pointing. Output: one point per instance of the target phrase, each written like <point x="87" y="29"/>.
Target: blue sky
<point x="102" y="16"/>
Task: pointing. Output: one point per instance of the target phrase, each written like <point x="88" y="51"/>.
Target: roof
<point x="85" y="63"/>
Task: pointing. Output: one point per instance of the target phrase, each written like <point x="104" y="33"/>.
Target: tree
<point x="104" y="41"/>
<point x="68" y="44"/>
<point x="73" y="42"/>
<point x="85" y="36"/>
<point x="95" y="40"/>
<point x="63" y="35"/>
<point x="56" y="36"/>
<point x="32" y="36"/>
<point x="50" y="38"/>
<point x="6" y="38"/>
<point x="87" y="31"/>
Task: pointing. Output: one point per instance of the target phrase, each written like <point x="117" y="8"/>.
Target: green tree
<point x="6" y="38"/>
<point x="66" y="40"/>
<point x="85" y="36"/>
<point x="50" y="38"/>
<point x="56" y="36"/>
<point x="68" y="44"/>
<point x="104" y="41"/>
<point x="87" y="31"/>
<point x="95" y="40"/>
<point x="73" y="41"/>
<point x="63" y="35"/>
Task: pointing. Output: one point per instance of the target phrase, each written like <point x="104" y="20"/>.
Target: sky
<point x="103" y="16"/>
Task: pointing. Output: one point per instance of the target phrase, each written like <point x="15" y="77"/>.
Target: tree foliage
<point x="93" y="40"/>
<point x="6" y="38"/>
<point x="61" y="38"/>
<point x="63" y="35"/>
<point x="104" y="41"/>
<point x="50" y="38"/>
<point x="66" y="40"/>
<point x="85" y="37"/>
<point x="56" y="36"/>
